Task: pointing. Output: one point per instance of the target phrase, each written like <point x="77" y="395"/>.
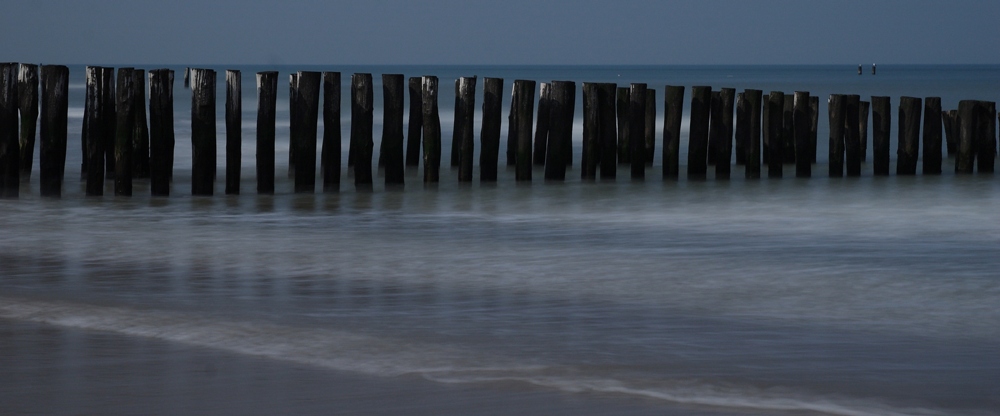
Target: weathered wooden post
<point x="511" y="127"/>
<point x="986" y="151"/>
<point x="560" y="129"/>
<point x="968" y="135"/>
<point x="294" y="121"/>
<point x="742" y="130"/>
<point x="864" y="108"/>
<point x="813" y="133"/>
<point x="701" y="99"/>
<point x="362" y="119"/>
<point x="203" y="131"/>
<point x="161" y="130"/>
<point x="753" y="98"/>
<point x="775" y="127"/>
<point x="673" y="107"/>
<point x="93" y="131"/>
<point x="27" y="98"/>
<point x="414" y="123"/>
<point x="725" y="150"/>
<point x="622" y="102"/>
<point x="489" y="135"/>
<point x="125" y="109"/>
<point x="110" y="120"/>
<point x="802" y="122"/>
<point x="788" y="128"/>
<point x="950" y="122"/>
<point x="591" y="132"/>
<point x="465" y="111"/>
<point x="714" y="126"/>
<point x="637" y="130"/>
<point x="837" y="147"/>
<point x="852" y="134"/>
<point x="525" y="97"/>
<point x="932" y="136"/>
<point x="9" y="147"/>
<point x="432" y="129"/>
<point x="234" y="131"/>
<point x="571" y="113"/>
<point x="909" y="136"/>
<point x="267" y="89"/>
<point x="392" y="129"/>
<point x="140" y="130"/>
<point x="330" y="157"/>
<point x="52" y="149"/>
<point x="650" y="125"/>
<point x="607" y="124"/>
<point x="87" y="106"/>
<point x="307" y="85"/>
<point x="881" y="125"/>
<point x="542" y="127"/>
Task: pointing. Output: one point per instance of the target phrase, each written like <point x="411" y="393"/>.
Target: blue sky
<point x="514" y="32"/>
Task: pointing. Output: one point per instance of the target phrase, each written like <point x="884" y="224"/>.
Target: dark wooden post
<point x="967" y="141"/>
<point x="788" y="128"/>
<point x="161" y="131"/>
<point x="560" y="129"/>
<point x="864" y="108"/>
<point x="294" y="121"/>
<point x="361" y="130"/>
<point x="570" y="114"/>
<point x="852" y="134"/>
<point x="986" y="151"/>
<point x="93" y="131"/>
<point x="330" y="158"/>
<point x="267" y="91"/>
<point x="753" y="98"/>
<point x="125" y="109"/>
<point x="512" y="128"/>
<point x="432" y="129"/>
<point x="415" y="122"/>
<point x="813" y="133"/>
<point x="392" y="129"/>
<point x="932" y="136"/>
<point x="607" y="124"/>
<point x="622" y="103"/>
<point x="307" y="86"/>
<point x="591" y="132"/>
<point x="140" y="132"/>
<point x="650" y="125"/>
<point x="881" y="125"/>
<point x="203" y="131"/>
<point x="52" y="149"/>
<point x="714" y="126"/>
<point x="775" y="127"/>
<point x="27" y="98"/>
<point x="837" y="146"/>
<point x="234" y="131"/>
<point x="110" y="120"/>
<point x="909" y="136"/>
<point x="673" y="107"/>
<point x="489" y="135"/>
<point x="742" y="130"/>
<point x="9" y="147"/>
<point x="802" y="121"/>
<point x="637" y="130"/>
<point x="724" y="156"/>
<point x="952" y="130"/>
<point x="465" y="113"/>
<point x="525" y="97"/>
<point x="542" y="127"/>
<point x="701" y="99"/>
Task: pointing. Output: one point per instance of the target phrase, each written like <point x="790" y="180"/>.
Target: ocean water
<point x="821" y="296"/>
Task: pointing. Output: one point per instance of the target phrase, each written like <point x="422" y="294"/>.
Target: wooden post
<point x="110" y="120"/>
<point x="753" y="98"/>
<point x="813" y="133"/>
<point x="512" y="128"/>
<point x="27" y="98"/>
<point x="307" y="86"/>
<point x="948" y="120"/>
<point x="967" y="141"/>
<point x="489" y="135"/>
<point x="330" y="158"/>
<point x="267" y="92"/>
<point x="864" y="108"/>
<point x="234" y="131"/>
<point x="560" y="129"/>
<point x="650" y="125"/>
<point x="775" y="127"/>
<point x="608" y="130"/>
<point x="52" y="149"/>
<point x="701" y="99"/>
<point x="742" y="130"/>
<point x="673" y="107"/>
<point x="637" y="130"/>
<point x="125" y="109"/>
<point x="294" y="121"/>
<point x="909" y="136"/>
<point x="525" y="98"/>
<point x="837" y="146"/>
<point x="415" y="122"/>
<point x="93" y="132"/>
<point x="161" y="130"/>
<point x="140" y="132"/>
<point x="362" y="119"/>
<point x="203" y="131"/>
<point x="852" y="134"/>
<point x="766" y="131"/>
<point x="932" y="136"/>
<point x="986" y="151"/>
<point x="624" y="147"/>
<point x="392" y="129"/>
<point x="9" y="147"/>
<point x="714" y="126"/>
<point x="570" y="114"/>
<point x="724" y="156"/>
<point x="788" y="128"/>
<point x="881" y="125"/>
<point x="432" y="129"/>
<point x="542" y="127"/>
<point x="591" y="132"/>
<point x="802" y="122"/>
<point x="465" y="121"/>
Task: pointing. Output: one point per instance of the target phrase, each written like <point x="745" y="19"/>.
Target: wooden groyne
<point x="118" y="142"/>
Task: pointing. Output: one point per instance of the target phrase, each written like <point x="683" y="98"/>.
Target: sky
<point x="510" y="32"/>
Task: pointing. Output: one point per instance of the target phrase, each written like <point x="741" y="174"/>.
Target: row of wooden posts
<point x="618" y="128"/>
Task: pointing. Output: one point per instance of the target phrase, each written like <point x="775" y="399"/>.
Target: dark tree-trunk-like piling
<point x="968" y="135"/>
<point x="489" y="135"/>
<point x="701" y="99"/>
<point x="802" y="122"/>
<point x="813" y="131"/>
<point x="881" y="126"/>
<point x="52" y="149"/>
<point x="524" y="95"/>
<point x="203" y="131"/>
<point x="788" y="128"/>
<point x="714" y="126"/>
<point x="837" y="146"/>
<point x="267" y="88"/>
<point x="125" y="115"/>
<point x="591" y="132"/>
<point x="932" y="136"/>
<point x="542" y="123"/>
<point x="307" y="86"/>
<point x="361" y="129"/>
<point x="465" y="110"/>
<point x="140" y="132"/>
<point x="415" y="122"/>
<point x="432" y="129"/>
<point x="330" y="157"/>
<point x="753" y="99"/>
<point x="392" y="129"/>
<point x="986" y="151"/>
<point x="27" y="98"/>
<point x="909" y="136"/>
<point x="951" y="130"/>
<point x="864" y="108"/>
<point x="637" y="130"/>
<point x="9" y="147"/>
<point x="161" y="131"/>
<point x="622" y="101"/>
<point x="234" y="131"/>
<point x="724" y="155"/>
<point x="650" y="125"/>
<point x="511" y="128"/>
<point x="742" y="130"/>
<point x="93" y="132"/>
<point x="673" y="107"/>
<point x="560" y="128"/>
<point x="775" y="130"/>
<point x="608" y="130"/>
<point x="294" y="121"/>
<point x="110" y="120"/>
<point x="852" y="135"/>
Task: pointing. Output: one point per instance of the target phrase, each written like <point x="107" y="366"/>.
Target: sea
<point x="838" y="296"/>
